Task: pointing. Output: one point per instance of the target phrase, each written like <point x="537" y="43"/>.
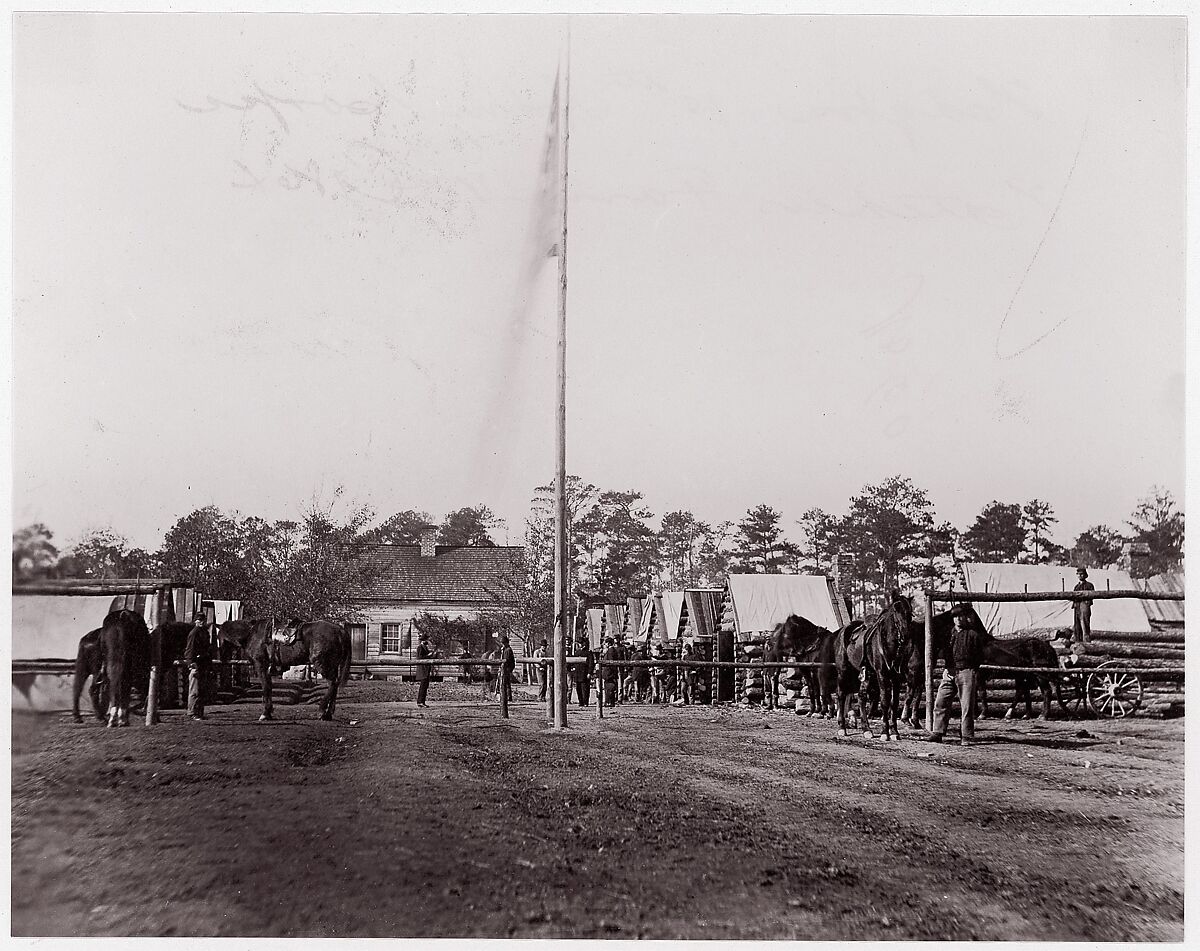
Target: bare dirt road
<point x="656" y="823"/>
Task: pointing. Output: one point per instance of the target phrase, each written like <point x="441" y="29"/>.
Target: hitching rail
<point x="998" y="597"/>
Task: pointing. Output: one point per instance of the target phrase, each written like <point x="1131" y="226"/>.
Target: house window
<point x="389" y="638"/>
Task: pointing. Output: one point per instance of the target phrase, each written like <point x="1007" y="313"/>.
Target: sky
<point x="259" y="258"/>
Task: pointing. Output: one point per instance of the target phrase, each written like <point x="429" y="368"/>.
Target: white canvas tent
<point x="756" y="603"/>
<point x="1008" y="619"/>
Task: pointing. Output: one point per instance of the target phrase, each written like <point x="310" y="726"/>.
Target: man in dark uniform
<point x="1083" y="610"/>
<point x="424" y="671"/>
<point x="197" y="654"/>
<point x="581" y="672"/>
<point x="962" y="659"/>
<point x="542" y="670"/>
<point x="612" y="674"/>
<point x="508" y="665"/>
<point x="687" y="675"/>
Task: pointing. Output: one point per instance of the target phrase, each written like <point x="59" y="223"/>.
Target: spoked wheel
<point x="1074" y="694"/>
<point x="1113" y="695"/>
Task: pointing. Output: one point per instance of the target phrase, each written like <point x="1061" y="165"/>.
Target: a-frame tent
<point x="754" y="604"/>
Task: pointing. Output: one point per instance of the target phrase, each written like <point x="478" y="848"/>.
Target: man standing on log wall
<point x="1083" y="611"/>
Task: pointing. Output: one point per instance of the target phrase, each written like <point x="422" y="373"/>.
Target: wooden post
<point x="928" y="662"/>
<point x="600" y="688"/>
<point x="503" y="681"/>
<point x="152" y="697"/>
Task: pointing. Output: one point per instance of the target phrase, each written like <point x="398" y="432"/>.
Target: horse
<point x="805" y="642"/>
<point x="323" y="645"/>
<point x="126" y="646"/>
<point x="89" y="663"/>
<point x="1023" y="652"/>
<point x="877" y="648"/>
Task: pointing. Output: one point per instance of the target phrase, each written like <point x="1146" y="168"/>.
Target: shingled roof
<point x="455" y="573"/>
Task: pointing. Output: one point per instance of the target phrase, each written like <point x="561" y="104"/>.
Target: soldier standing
<point x="1083" y="610"/>
<point x="542" y="670"/>
<point x="424" y="671"/>
<point x="197" y="654"/>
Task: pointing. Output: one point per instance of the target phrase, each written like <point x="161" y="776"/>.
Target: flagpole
<point x="562" y="556"/>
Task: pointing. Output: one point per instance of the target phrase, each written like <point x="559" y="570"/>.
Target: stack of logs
<point x="1162" y="693"/>
<point x="750" y="684"/>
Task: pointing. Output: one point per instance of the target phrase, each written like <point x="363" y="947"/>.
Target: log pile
<point x="1160" y="651"/>
<point x="750" y="684"/>
<point x="1163" y="647"/>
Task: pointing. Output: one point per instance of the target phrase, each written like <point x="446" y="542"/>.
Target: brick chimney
<point x="429" y="536"/>
<point x="1135" y="558"/>
<point x="843" y="570"/>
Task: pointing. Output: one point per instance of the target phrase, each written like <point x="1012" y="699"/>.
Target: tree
<point x="682" y="542"/>
<point x="205" y="547"/>
<point x="1157" y="523"/>
<point x="103" y="553"/>
<point x="1038" y="517"/>
<point x="760" y="547"/>
<point x="33" y="552"/>
<point x="888" y="529"/>
<point x="715" y="555"/>
<point x="469" y="526"/>
<point x="624" y="555"/>
<point x="327" y="570"/>
<point x="1097" y="547"/>
<point x="403" y="528"/>
<point x="998" y="534"/>
<point x="449" y="637"/>
<point x="822" y="540"/>
<point x="520" y="606"/>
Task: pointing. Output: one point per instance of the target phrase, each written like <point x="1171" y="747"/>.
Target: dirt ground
<point x="653" y="823"/>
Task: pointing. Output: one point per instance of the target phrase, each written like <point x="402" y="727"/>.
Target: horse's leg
<point x="330" y="699"/>
<point x="116" y="676"/>
<point x="864" y="702"/>
<point x="264" y="675"/>
<point x="886" y="704"/>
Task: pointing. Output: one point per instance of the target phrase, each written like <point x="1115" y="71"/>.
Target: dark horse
<point x="801" y="640"/>
<point x="1023" y="652"/>
<point x="89" y="662"/>
<point x="126" y="646"/>
<point x="322" y="645"/>
<point x="875" y="649"/>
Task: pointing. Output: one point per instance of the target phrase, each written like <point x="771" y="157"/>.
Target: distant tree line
<point x="311" y="567"/>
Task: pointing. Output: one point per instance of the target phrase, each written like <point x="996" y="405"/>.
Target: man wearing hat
<point x="1083" y="610"/>
<point x="424" y="671"/>
<point x="542" y="671"/>
<point x="612" y="673"/>
<point x="581" y="672"/>
<point x="197" y="654"/>
<point x="961" y="676"/>
<point x="508" y="665"/>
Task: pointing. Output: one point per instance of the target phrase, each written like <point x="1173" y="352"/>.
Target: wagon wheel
<point x="1113" y="695"/>
<point x="1074" y="693"/>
